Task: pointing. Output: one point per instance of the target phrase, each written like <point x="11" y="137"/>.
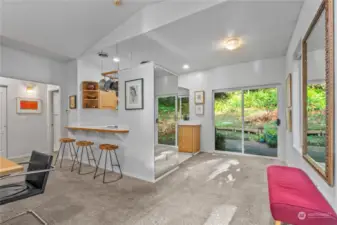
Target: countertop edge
<point x="98" y="129"/>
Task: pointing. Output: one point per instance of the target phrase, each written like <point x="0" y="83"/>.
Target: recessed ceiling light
<point x="232" y="43"/>
<point x="186" y="66"/>
<point x="116" y="59"/>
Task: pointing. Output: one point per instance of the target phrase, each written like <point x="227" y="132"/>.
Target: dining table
<point x="8" y="167"/>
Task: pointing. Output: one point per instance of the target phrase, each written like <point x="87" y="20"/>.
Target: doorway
<point x="55" y="119"/>
<point x="246" y="121"/>
<point x="183" y="107"/>
<point x="3" y="121"/>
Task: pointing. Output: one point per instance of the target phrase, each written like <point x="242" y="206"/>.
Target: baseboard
<point x="20" y="156"/>
<point x="116" y="171"/>
<point x="25" y="155"/>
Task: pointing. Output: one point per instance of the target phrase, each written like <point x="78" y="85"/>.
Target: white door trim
<point x="4" y="123"/>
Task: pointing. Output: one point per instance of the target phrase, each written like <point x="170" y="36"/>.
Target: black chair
<point x="37" y="174"/>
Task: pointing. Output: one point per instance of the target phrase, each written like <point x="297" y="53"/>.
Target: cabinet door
<point x="186" y="139"/>
<point x="108" y="100"/>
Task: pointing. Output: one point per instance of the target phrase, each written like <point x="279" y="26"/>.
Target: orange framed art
<point x="28" y="105"/>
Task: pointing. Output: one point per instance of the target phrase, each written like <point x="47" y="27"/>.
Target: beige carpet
<point x="208" y="189"/>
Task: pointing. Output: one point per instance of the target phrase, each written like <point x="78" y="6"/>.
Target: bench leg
<point x="280" y="223"/>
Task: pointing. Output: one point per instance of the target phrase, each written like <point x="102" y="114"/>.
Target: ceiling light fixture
<point x="117" y="2"/>
<point x="116" y="59"/>
<point x="232" y="43"/>
<point x="186" y="67"/>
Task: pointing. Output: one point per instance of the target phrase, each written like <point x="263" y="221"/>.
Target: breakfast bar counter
<point x="134" y="163"/>
<point x="109" y="129"/>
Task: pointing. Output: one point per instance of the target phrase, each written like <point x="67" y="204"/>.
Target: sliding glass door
<point x="260" y="117"/>
<point x="228" y="121"/>
<point x="245" y="121"/>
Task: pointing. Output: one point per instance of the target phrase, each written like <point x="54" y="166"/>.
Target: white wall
<point x="90" y="72"/>
<point x="26" y="66"/>
<point x="140" y="140"/>
<point x="183" y="91"/>
<point x="136" y="152"/>
<point x="166" y="85"/>
<point x="292" y="156"/>
<point x="25" y="132"/>
<point x="257" y="73"/>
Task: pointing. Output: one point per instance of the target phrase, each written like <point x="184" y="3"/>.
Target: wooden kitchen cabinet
<point x="108" y="100"/>
<point x="189" y="138"/>
<point x="93" y="98"/>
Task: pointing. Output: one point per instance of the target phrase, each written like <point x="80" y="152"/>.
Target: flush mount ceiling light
<point x="186" y="66"/>
<point x="232" y="43"/>
<point x="117" y="2"/>
<point x="116" y="59"/>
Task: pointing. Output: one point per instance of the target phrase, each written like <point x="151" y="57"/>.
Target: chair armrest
<point x="27" y="173"/>
<point x="23" y="163"/>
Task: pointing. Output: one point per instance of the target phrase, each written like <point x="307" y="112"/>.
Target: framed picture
<point x="289" y="90"/>
<point x="72" y="102"/>
<point x="28" y="105"/>
<point x="199" y="109"/>
<point x="134" y="94"/>
<point x="289" y="120"/>
<point x="199" y="97"/>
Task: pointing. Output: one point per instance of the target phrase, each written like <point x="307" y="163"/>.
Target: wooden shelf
<point x="96" y="99"/>
<point x="91" y="91"/>
<point x="110" y="73"/>
<point x="90" y="96"/>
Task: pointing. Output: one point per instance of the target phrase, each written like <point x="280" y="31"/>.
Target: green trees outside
<point x="167" y="117"/>
<point x="260" y="115"/>
<point x="316" y="103"/>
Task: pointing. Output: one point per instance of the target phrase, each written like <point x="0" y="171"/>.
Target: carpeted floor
<point x="208" y="189"/>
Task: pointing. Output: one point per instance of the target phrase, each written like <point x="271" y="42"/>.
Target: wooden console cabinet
<point x="189" y="138"/>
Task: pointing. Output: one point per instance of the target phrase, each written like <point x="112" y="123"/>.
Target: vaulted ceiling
<point x="63" y="28"/>
<point x="265" y="27"/>
<point x="169" y="32"/>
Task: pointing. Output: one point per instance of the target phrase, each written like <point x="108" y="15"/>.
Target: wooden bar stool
<point x="108" y="148"/>
<point x="80" y="147"/>
<point x="64" y="142"/>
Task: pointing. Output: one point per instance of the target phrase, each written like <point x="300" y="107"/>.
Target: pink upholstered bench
<point x="294" y="199"/>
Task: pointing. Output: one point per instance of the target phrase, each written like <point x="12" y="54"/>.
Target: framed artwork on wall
<point x="289" y="90"/>
<point x="72" y="102"/>
<point x="199" y="97"/>
<point x="199" y="109"/>
<point x="28" y="105"/>
<point x="289" y="120"/>
<point x="134" y="94"/>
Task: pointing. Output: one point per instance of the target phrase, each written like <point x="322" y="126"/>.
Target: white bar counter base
<point x="131" y="164"/>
